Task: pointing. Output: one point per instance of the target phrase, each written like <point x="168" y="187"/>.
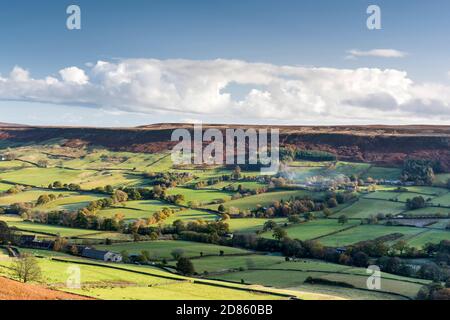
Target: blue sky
<point x="304" y="34"/>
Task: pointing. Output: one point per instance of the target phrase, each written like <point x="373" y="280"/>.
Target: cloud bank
<point x="206" y="88"/>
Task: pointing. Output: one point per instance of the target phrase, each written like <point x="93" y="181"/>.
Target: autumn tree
<point x="400" y="246"/>
<point x="120" y="196"/>
<point x="279" y="233"/>
<point x="26" y="268"/>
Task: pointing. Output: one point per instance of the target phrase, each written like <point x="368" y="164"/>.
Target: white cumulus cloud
<point x="74" y="75"/>
<point x="199" y="89"/>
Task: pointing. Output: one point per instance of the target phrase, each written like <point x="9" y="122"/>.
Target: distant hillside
<point x="384" y="145"/>
<point x="5" y="124"/>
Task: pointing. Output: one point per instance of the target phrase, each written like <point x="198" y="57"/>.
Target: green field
<point x="314" y="229"/>
<point x="51" y="230"/>
<point x="429" y="211"/>
<point x="15" y="164"/>
<point x="71" y="203"/>
<point x="364" y="208"/>
<point x="364" y="233"/>
<point x="146" y="205"/>
<point x="350" y="168"/>
<point x="191" y="215"/>
<point x="382" y="195"/>
<point x="294" y="280"/>
<point x="383" y="173"/>
<point x="263" y="199"/>
<point x="291" y="275"/>
<point x="443" y="200"/>
<point x="222" y="264"/>
<point x="32" y="196"/>
<point x="246" y="225"/>
<point x="431" y="191"/>
<point x="42" y="177"/>
<point x="430" y="236"/>
<point x="163" y="249"/>
<point x="112" y="284"/>
<point x="93" y="166"/>
<point x="5" y="187"/>
<point x="202" y="197"/>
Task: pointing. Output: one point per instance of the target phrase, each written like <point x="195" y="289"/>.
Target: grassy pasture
<point x="105" y="283"/>
<point x="404" y="196"/>
<point x="251" y="185"/>
<point x="248" y="225"/>
<point x="32" y="196"/>
<point x="350" y="168"/>
<point x="310" y="265"/>
<point x="191" y="215"/>
<point x="364" y="233"/>
<point x="382" y="195"/>
<point x="430" y="236"/>
<point x="383" y="173"/>
<point x="400" y="287"/>
<point x="180" y="290"/>
<point x="429" y="211"/>
<point x="49" y="229"/>
<point x="441" y="224"/>
<point x="44" y="176"/>
<point x="140" y="209"/>
<point x="221" y="264"/>
<point x="309" y="163"/>
<point x="367" y="207"/>
<point x="443" y="200"/>
<point x="203" y="196"/>
<point x="425" y="190"/>
<point x="147" y="205"/>
<point x="264" y="199"/>
<point x="113" y="178"/>
<point x="163" y="249"/>
<point x="10" y="165"/>
<point x="291" y="278"/>
<point x="5" y="187"/>
<point x="71" y="203"/>
<point x="294" y="280"/>
<point x="105" y="159"/>
<point x="313" y="229"/>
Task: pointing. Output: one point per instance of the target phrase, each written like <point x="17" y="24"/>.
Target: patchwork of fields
<point x="221" y="271"/>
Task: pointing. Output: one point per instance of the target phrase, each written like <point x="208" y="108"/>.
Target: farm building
<point x="31" y="241"/>
<point x="101" y="255"/>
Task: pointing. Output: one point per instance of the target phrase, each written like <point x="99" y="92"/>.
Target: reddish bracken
<point x="13" y="290"/>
